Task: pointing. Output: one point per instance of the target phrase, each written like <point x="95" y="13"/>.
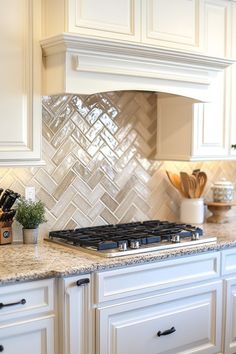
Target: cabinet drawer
<point x="35" y="297"/>
<point x="194" y="314"/>
<point x="228" y="264"/>
<point x="136" y="280"/>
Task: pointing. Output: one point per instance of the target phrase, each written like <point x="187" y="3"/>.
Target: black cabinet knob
<point x="1" y="348"/>
<point x="233" y="146"/>
<point x="82" y="281"/>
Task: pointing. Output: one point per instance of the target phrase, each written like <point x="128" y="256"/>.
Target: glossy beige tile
<point x="99" y="169"/>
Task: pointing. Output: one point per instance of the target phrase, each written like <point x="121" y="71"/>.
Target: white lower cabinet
<point x="229" y="273"/>
<point x="28" y="337"/>
<point x="168" y="307"/>
<point x="230" y="316"/>
<point x="183" y="321"/>
<point x="76" y="331"/>
<point x="27" y="318"/>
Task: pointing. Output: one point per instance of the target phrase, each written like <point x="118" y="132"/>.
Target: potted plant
<point x="30" y="215"/>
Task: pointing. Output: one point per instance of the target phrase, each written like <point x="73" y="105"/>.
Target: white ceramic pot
<point x="192" y="211"/>
<point x="223" y="191"/>
<point x="30" y="236"/>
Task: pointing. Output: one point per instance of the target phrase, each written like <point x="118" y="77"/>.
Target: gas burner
<point x="131" y="238"/>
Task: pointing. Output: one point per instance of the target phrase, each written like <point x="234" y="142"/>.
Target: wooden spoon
<point x="201" y="180"/>
<point x="192" y="186"/>
<point x="176" y="182"/>
<point x="184" y="177"/>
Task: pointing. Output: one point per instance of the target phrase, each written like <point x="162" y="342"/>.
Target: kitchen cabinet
<point x="151" y="308"/>
<point x="20" y="85"/>
<point x="164" y="323"/>
<point x="179" y="25"/>
<point x="184" y="304"/>
<point x="176" y="24"/>
<point x="27" y="316"/>
<point x="27" y="338"/>
<point x="76" y="324"/>
<point x="232" y="73"/>
<point x="229" y="273"/>
<point x="191" y="131"/>
<point x="108" y="19"/>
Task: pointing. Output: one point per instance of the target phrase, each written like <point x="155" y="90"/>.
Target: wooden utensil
<point x="185" y="182"/>
<point x="176" y="182"/>
<point x="196" y="171"/>
<point x="201" y="178"/>
<point x="192" y="186"/>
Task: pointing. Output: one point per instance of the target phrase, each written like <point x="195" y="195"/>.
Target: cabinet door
<point x="191" y="131"/>
<point x="20" y="104"/>
<point x="171" y="23"/>
<point x="110" y="19"/>
<point x="211" y="125"/>
<point x="232" y="71"/>
<point x="230" y="316"/>
<point x="76" y="331"/>
<point x="217" y="28"/>
<point x="184" y="321"/>
<point x="28" y="337"/>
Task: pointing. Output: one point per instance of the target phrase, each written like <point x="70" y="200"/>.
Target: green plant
<point x="30" y="214"/>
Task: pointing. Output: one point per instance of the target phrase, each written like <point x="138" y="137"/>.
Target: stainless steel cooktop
<point x="132" y="238"/>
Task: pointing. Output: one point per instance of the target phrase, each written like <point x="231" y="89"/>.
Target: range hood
<point x="78" y="65"/>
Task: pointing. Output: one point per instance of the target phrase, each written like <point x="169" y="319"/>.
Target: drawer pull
<point x="82" y="281"/>
<point x="21" y="302"/>
<point x="165" y="333"/>
<point x="233" y="146"/>
<point x="1" y="348"/>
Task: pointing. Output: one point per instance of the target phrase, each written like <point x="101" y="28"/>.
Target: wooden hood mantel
<point x="75" y="64"/>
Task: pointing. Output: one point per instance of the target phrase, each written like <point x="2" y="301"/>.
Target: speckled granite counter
<point x="45" y="260"/>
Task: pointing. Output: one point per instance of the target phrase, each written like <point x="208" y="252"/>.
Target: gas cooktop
<point x="131" y="238"/>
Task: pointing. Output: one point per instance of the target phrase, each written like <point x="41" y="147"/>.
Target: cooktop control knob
<point x="134" y="244"/>
<point x="123" y="246"/>
<point x="195" y="236"/>
<point x="175" y="238"/>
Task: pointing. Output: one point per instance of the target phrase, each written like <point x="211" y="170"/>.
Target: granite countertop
<point x="20" y="262"/>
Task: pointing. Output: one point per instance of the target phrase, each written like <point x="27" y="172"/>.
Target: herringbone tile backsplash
<point x="98" y="167"/>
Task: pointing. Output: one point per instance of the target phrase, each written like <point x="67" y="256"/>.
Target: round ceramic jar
<point x="192" y="210"/>
<point x="223" y="191"/>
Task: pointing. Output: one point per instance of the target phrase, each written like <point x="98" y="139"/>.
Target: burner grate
<point x="112" y="236"/>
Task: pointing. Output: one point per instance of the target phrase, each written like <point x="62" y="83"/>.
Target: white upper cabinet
<point x="106" y="18"/>
<point x="111" y="19"/>
<point x="179" y="24"/>
<point x="191" y="131"/>
<point x="197" y="131"/>
<point x="232" y="81"/>
<point x="176" y="24"/>
<point x="132" y="44"/>
<point x="20" y="84"/>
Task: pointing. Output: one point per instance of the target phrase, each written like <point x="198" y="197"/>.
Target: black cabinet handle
<point x="21" y="302"/>
<point x="1" y="348"/>
<point x="82" y="281"/>
<point x="165" y="333"/>
<point x="233" y="146"/>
